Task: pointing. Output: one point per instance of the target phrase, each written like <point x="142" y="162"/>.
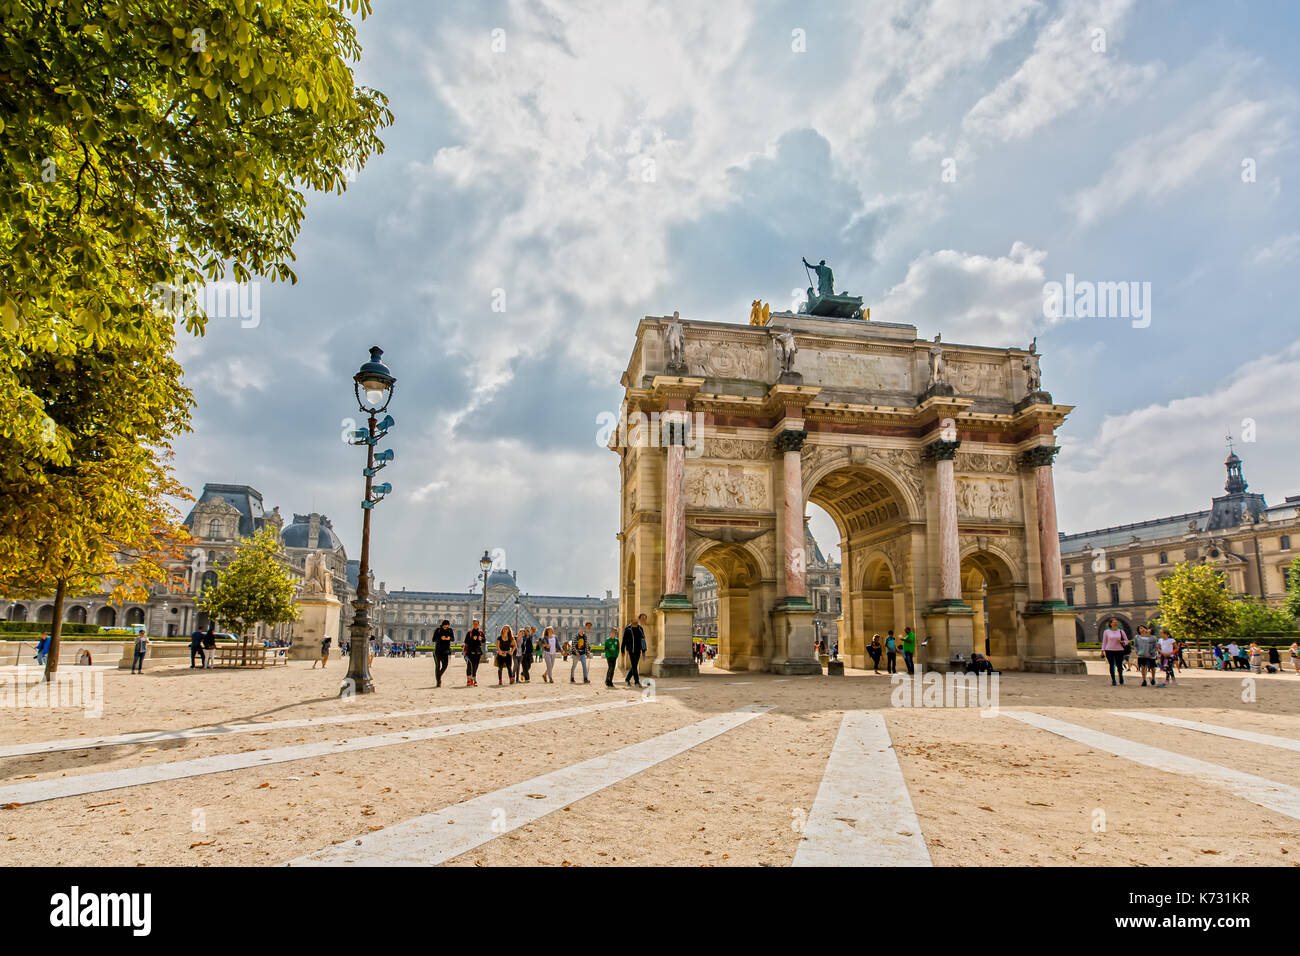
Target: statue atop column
<point x="675" y="346"/>
<point x="1034" y="394"/>
<point x="938" y="383"/>
<point x="317" y="578"/>
<point x="786" y="349"/>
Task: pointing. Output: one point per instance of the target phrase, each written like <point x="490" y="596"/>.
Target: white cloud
<point x="1213" y="139"/>
<point x="1279" y="252"/>
<point x="974" y="299"/>
<point x="1064" y="71"/>
<point x="1166" y="458"/>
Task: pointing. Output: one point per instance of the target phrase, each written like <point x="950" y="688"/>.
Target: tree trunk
<point x="56" y="629"/>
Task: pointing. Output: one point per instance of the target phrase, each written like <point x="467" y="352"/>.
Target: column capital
<point x="790" y="439"/>
<point x="1039" y="455"/>
<point x="940" y="450"/>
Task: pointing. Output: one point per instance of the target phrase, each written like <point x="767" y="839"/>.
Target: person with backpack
<point x="634" y="646"/>
<point x="580" y="649"/>
<point x="891" y="653"/>
<point x="611" y="655"/>
<point x="442" y="639"/>
<point x="324" y="652"/>
<point x="874" y="650"/>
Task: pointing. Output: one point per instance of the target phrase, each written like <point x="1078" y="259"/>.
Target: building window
<point x="1164" y="557"/>
<point x="837" y="605"/>
<point x="214" y="528"/>
<point x="1286" y="542"/>
<point x="1067" y="569"/>
<point x="1069" y="596"/>
<point x="1114" y="595"/>
<point x="1110" y="564"/>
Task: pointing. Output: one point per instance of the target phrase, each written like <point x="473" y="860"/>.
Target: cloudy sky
<point x="585" y="164"/>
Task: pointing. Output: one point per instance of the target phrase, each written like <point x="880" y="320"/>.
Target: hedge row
<point x="36" y="627"/>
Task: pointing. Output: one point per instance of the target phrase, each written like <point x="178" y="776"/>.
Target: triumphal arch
<point x="934" y="460"/>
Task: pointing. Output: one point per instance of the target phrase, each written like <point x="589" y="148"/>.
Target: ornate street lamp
<point x="485" y="564"/>
<point x="374" y="385"/>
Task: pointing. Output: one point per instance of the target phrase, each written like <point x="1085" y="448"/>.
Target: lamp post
<point x="373" y="385"/>
<point x="485" y="565"/>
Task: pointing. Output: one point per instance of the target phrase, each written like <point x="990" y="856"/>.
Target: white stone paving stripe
<point x="444" y="834"/>
<point x="251" y="727"/>
<point x="53" y="789"/>
<point x="1268" y="740"/>
<point x="1283" y="798"/>
<point x="862" y="815"/>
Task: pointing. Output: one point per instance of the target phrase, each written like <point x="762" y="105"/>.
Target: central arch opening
<point x="871" y="516"/>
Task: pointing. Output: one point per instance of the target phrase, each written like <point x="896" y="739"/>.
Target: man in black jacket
<point x="633" y="645"/>
<point x="442" y="639"/>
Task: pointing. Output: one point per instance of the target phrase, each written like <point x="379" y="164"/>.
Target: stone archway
<point x="988" y="586"/>
<point x="908" y="444"/>
<point x="742" y="636"/>
<point x="18" y="613"/>
<point x="873" y="517"/>
<point x="106" y="617"/>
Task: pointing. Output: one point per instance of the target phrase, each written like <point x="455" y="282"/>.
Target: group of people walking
<point x="203" y="645"/>
<point x="1168" y="654"/>
<point x="514" y="653"/>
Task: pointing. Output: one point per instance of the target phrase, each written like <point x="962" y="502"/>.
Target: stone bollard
<point x="835" y="669"/>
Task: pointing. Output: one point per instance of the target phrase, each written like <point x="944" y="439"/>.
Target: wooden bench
<point x="241" y="655"/>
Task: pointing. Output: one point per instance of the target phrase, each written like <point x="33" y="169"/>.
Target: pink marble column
<point x="943" y="452"/>
<point x="790" y="444"/>
<point x="675" y="515"/>
<point x="1049" y="542"/>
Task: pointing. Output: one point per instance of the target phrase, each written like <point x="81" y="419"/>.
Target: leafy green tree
<point x="1253" y="618"/>
<point x="255" y="588"/>
<point x="146" y="146"/>
<point x="101" y="522"/>
<point x="1292" y="604"/>
<point x="1194" y="602"/>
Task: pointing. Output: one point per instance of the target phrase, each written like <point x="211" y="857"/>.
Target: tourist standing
<point x="505" y="653"/>
<point x="209" y="647"/>
<point x="1144" y="645"/>
<point x="324" y="653"/>
<point x="891" y="653"/>
<point x="141" y="648"/>
<point x="473" y="653"/>
<point x="611" y="655"/>
<point x="909" y="648"/>
<point x="634" y="645"/>
<point x="1295" y="657"/>
<point x="580" y="649"/>
<point x="196" y="647"/>
<point x="1168" y="655"/>
<point x="550" y="647"/>
<point x="1256" y="655"/>
<point x="873" y="649"/>
<point x="442" y="639"/>
<point x="525" y="655"/>
<point x="1113" y="642"/>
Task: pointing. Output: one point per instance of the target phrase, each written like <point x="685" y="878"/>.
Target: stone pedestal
<point x="676" y="620"/>
<point x="792" y="631"/>
<point x="1051" y="646"/>
<point x="318" y="618"/>
<point x="950" y="628"/>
